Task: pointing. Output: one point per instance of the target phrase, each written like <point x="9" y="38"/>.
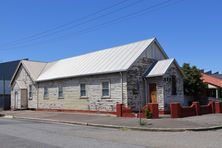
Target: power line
<point x="70" y="25"/>
<point x="139" y="13"/>
<point x="79" y="24"/>
<point x="71" y="22"/>
<point x="119" y="19"/>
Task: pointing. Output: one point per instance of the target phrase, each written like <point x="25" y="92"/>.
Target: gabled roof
<point x="116" y="59"/>
<point x="161" y="67"/>
<point x="34" y="69"/>
<point x="211" y="80"/>
<point x="110" y="60"/>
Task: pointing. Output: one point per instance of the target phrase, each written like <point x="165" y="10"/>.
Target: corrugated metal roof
<point x="105" y="61"/>
<point x="7" y="87"/>
<point x="7" y="69"/>
<point x="160" y="68"/>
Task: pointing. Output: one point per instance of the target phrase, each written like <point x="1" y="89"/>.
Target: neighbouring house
<point x="7" y="69"/>
<point x="134" y="74"/>
<point x="214" y="82"/>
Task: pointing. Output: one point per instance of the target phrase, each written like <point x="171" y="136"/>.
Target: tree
<point x="193" y="84"/>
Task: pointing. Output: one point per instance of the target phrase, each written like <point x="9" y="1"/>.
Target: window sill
<point x="105" y="97"/>
<point x="60" y="97"/>
<point x="46" y="98"/>
<point x="84" y="97"/>
<point x="30" y="98"/>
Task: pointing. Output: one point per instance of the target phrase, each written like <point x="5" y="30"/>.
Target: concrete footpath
<point x="195" y="123"/>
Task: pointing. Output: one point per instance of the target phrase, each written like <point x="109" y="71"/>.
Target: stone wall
<point x="164" y="88"/>
<point x="159" y="90"/>
<point x="22" y="75"/>
<point x="135" y="73"/>
<point x="168" y="97"/>
<point x="94" y="99"/>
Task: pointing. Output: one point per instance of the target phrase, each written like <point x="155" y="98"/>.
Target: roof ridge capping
<point x="109" y="48"/>
<point x="34" y="61"/>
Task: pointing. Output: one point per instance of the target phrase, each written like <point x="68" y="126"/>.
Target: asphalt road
<point x="16" y="133"/>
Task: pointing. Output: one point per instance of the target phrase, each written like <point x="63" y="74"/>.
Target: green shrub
<point x="148" y="113"/>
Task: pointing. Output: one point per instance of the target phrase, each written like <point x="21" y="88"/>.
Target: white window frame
<point x="105" y="81"/>
<point x="44" y="93"/>
<point x="86" y="90"/>
<point x="30" y="91"/>
<point x="60" y="88"/>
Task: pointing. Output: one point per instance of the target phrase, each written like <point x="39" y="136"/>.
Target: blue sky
<point x="188" y="30"/>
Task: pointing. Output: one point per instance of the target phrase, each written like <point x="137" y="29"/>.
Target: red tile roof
<point x="211" y="80"/>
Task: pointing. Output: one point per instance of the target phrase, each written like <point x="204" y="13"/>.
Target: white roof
<point x="105" y="61"/>
<point x="34" y="68"/>
<point x="160" y="68"/>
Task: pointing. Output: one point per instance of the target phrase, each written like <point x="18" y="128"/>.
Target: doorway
<point x="152" y="93"/>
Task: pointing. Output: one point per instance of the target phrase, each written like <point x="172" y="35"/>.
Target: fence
<point x="123" y="111"/>
<point x="177" y="111"/>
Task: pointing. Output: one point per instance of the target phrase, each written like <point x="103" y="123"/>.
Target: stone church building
<point x="134" y="74"/>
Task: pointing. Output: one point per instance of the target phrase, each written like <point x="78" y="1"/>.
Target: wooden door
<point x="153" y="93"/>
<point x="24" y="98"/>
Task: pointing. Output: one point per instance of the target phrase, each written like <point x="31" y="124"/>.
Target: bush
<point x="148" y="113"/>
<point x="193" y="83"/>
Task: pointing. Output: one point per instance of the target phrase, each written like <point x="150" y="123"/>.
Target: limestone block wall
<point x="94" y="99"/>
<point x="22" y="75"/>
<point x="15" y="103"/>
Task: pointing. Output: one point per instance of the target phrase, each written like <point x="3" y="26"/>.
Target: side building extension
<point x="132" y="74"/>
<point x="7" y="69"/>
